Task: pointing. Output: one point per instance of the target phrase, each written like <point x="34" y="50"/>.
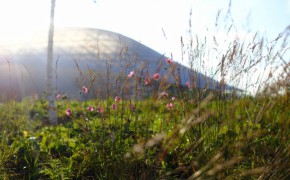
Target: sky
<point x="158" y="24"/>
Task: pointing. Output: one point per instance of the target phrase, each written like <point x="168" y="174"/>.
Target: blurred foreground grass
<point x="230" y="139"/>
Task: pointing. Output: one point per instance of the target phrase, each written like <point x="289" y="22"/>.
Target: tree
<point x="50" y="84"/>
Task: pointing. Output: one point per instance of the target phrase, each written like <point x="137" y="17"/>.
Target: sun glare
<point x="19" y="18"/>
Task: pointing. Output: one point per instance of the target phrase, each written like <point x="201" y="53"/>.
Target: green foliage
<point x="198" y="134"/>
<point x="245" y="139"/>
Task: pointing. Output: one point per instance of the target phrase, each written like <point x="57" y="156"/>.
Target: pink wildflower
<point x="169" y="61"/>
<point x="188" y="84"/>
<point x="58" y="96"/>
<point x="164" y="94"/>
<point x="91" y="108"/>
<point x="156" y="76"/>
<point x="173" y="98"/>
<point x="147" y="80"/>
<point x="85" y="90"/>
<point x="114" y="106"/>
<point x="169" y="106"/>
<point x="131" y="74"/>
<point x="117" y="98"/>
<point x="68" y="111"/>
<point x="100" y="110"/>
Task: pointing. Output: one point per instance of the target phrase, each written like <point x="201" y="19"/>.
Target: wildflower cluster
<point x="170" y="104"/>
<point x="147" y="80"/>
<point x="117" y="99"/>
<point x="90" y="108"/>
<point x="155" y="76"/>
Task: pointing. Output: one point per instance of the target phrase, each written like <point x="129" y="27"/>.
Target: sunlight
<point x="19" y="18"/>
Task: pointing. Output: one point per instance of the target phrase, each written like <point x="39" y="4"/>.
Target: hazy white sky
<point x="146" y="20"/>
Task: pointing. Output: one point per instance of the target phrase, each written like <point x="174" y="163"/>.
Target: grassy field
<point x="164" y="138"/>
<point x="174" y="133"/>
